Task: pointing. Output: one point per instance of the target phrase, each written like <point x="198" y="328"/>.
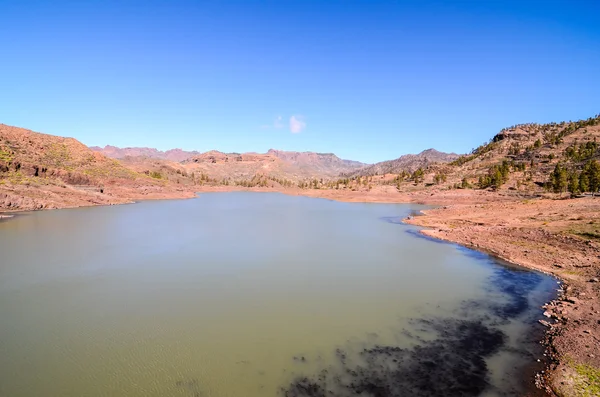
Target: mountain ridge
<point x="407" y="162"/>
<point x="116" y="152"/>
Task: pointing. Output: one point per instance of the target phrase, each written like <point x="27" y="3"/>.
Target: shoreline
<point x="507" y="232"/>
<point x="570" y="335"/>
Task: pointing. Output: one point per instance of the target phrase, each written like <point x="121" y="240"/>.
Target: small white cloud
<point x="297" y="124"/>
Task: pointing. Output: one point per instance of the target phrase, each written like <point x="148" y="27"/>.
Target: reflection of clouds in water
<point x="449" y="357"/>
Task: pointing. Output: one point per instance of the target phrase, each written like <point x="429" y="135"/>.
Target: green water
<point x="230" y="294"/>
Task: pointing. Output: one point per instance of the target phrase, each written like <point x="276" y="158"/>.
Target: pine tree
<point x="573" y="183"/>
<point x="584" y="182"/>
<point x="559" y="179"/>
<point x="594" y="176"/>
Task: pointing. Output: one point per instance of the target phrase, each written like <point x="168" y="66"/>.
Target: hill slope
<point x="408" y="163"/>
<point x="524" y="157"/>
<point x="235" y="166"/>
<point x="293" y="166"/>
<point x="327" y="164"/>
<point x="45" y="171"/>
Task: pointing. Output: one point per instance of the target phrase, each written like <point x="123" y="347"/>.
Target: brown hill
<point x="238" y="167"/>
<point x="327" y="164"/>
<point x="522" y="160"/>
<point x="119" y="153"/>
<point x="45" y="171"/>
<point x="292" y="166"/>
<point x="407" y="163"/>
<point x="235" y="167"/>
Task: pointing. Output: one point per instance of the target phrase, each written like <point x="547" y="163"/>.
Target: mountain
<point x="45" y="171"/>
<point x="408" y="163"/>
<point x="292" y="166"/>
<point x="523" y="157"/>
<point x="114" y="152"/>
<point x="327" y="163"/>
<point x="524" y="160"/>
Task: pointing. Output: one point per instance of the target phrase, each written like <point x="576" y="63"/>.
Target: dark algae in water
<point x="451" y="365"/>
<point x="449" y="356"/>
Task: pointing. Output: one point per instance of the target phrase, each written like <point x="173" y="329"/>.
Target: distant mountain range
<point x="292" y="165"/>
<point x="114" y="152"/>
<point x="44" y="171"/>
<point x="408" y="162"/>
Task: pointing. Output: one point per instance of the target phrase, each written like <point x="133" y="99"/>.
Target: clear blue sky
<point x="367" y="80"/>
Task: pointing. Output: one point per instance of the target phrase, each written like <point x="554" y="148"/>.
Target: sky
<point x="366" y="80"/>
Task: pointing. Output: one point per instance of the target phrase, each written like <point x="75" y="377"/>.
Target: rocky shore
<point x="555" y="237"/>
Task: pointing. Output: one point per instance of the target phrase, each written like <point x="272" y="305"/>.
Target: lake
<point x="257" y="294"/>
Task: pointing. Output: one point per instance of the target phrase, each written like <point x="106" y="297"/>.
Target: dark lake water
<point x="256" y="294"/>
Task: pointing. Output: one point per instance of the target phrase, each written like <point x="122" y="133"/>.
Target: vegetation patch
<point x="589" y="384"/>
<point x="595" y="235"/>
<point x="582" y="380"/>
<point x="57" y="155"/>
<point x="156" y="175"/>
<point x="5" y="156"/>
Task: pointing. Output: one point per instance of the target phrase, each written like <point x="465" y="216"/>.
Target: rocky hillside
<point x="114" y="152"/>
<point x="292" y="166"/>
<point x="523" y="160"/>
<point x="407" y="163"/>
<point x="237" y="167"/>
<point x="45" y="171"/>
<point x="526" y="157"/>
<point x="327" y="164"/>
<point x="526" y="160"/>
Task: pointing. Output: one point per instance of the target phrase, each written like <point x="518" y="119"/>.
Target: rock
<point x="545" y="323"/>
<point x="587" y="331"/>
<point x="594" y="280"/>
<point x="572" y="299"/>
<point x="547" y="314"/>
